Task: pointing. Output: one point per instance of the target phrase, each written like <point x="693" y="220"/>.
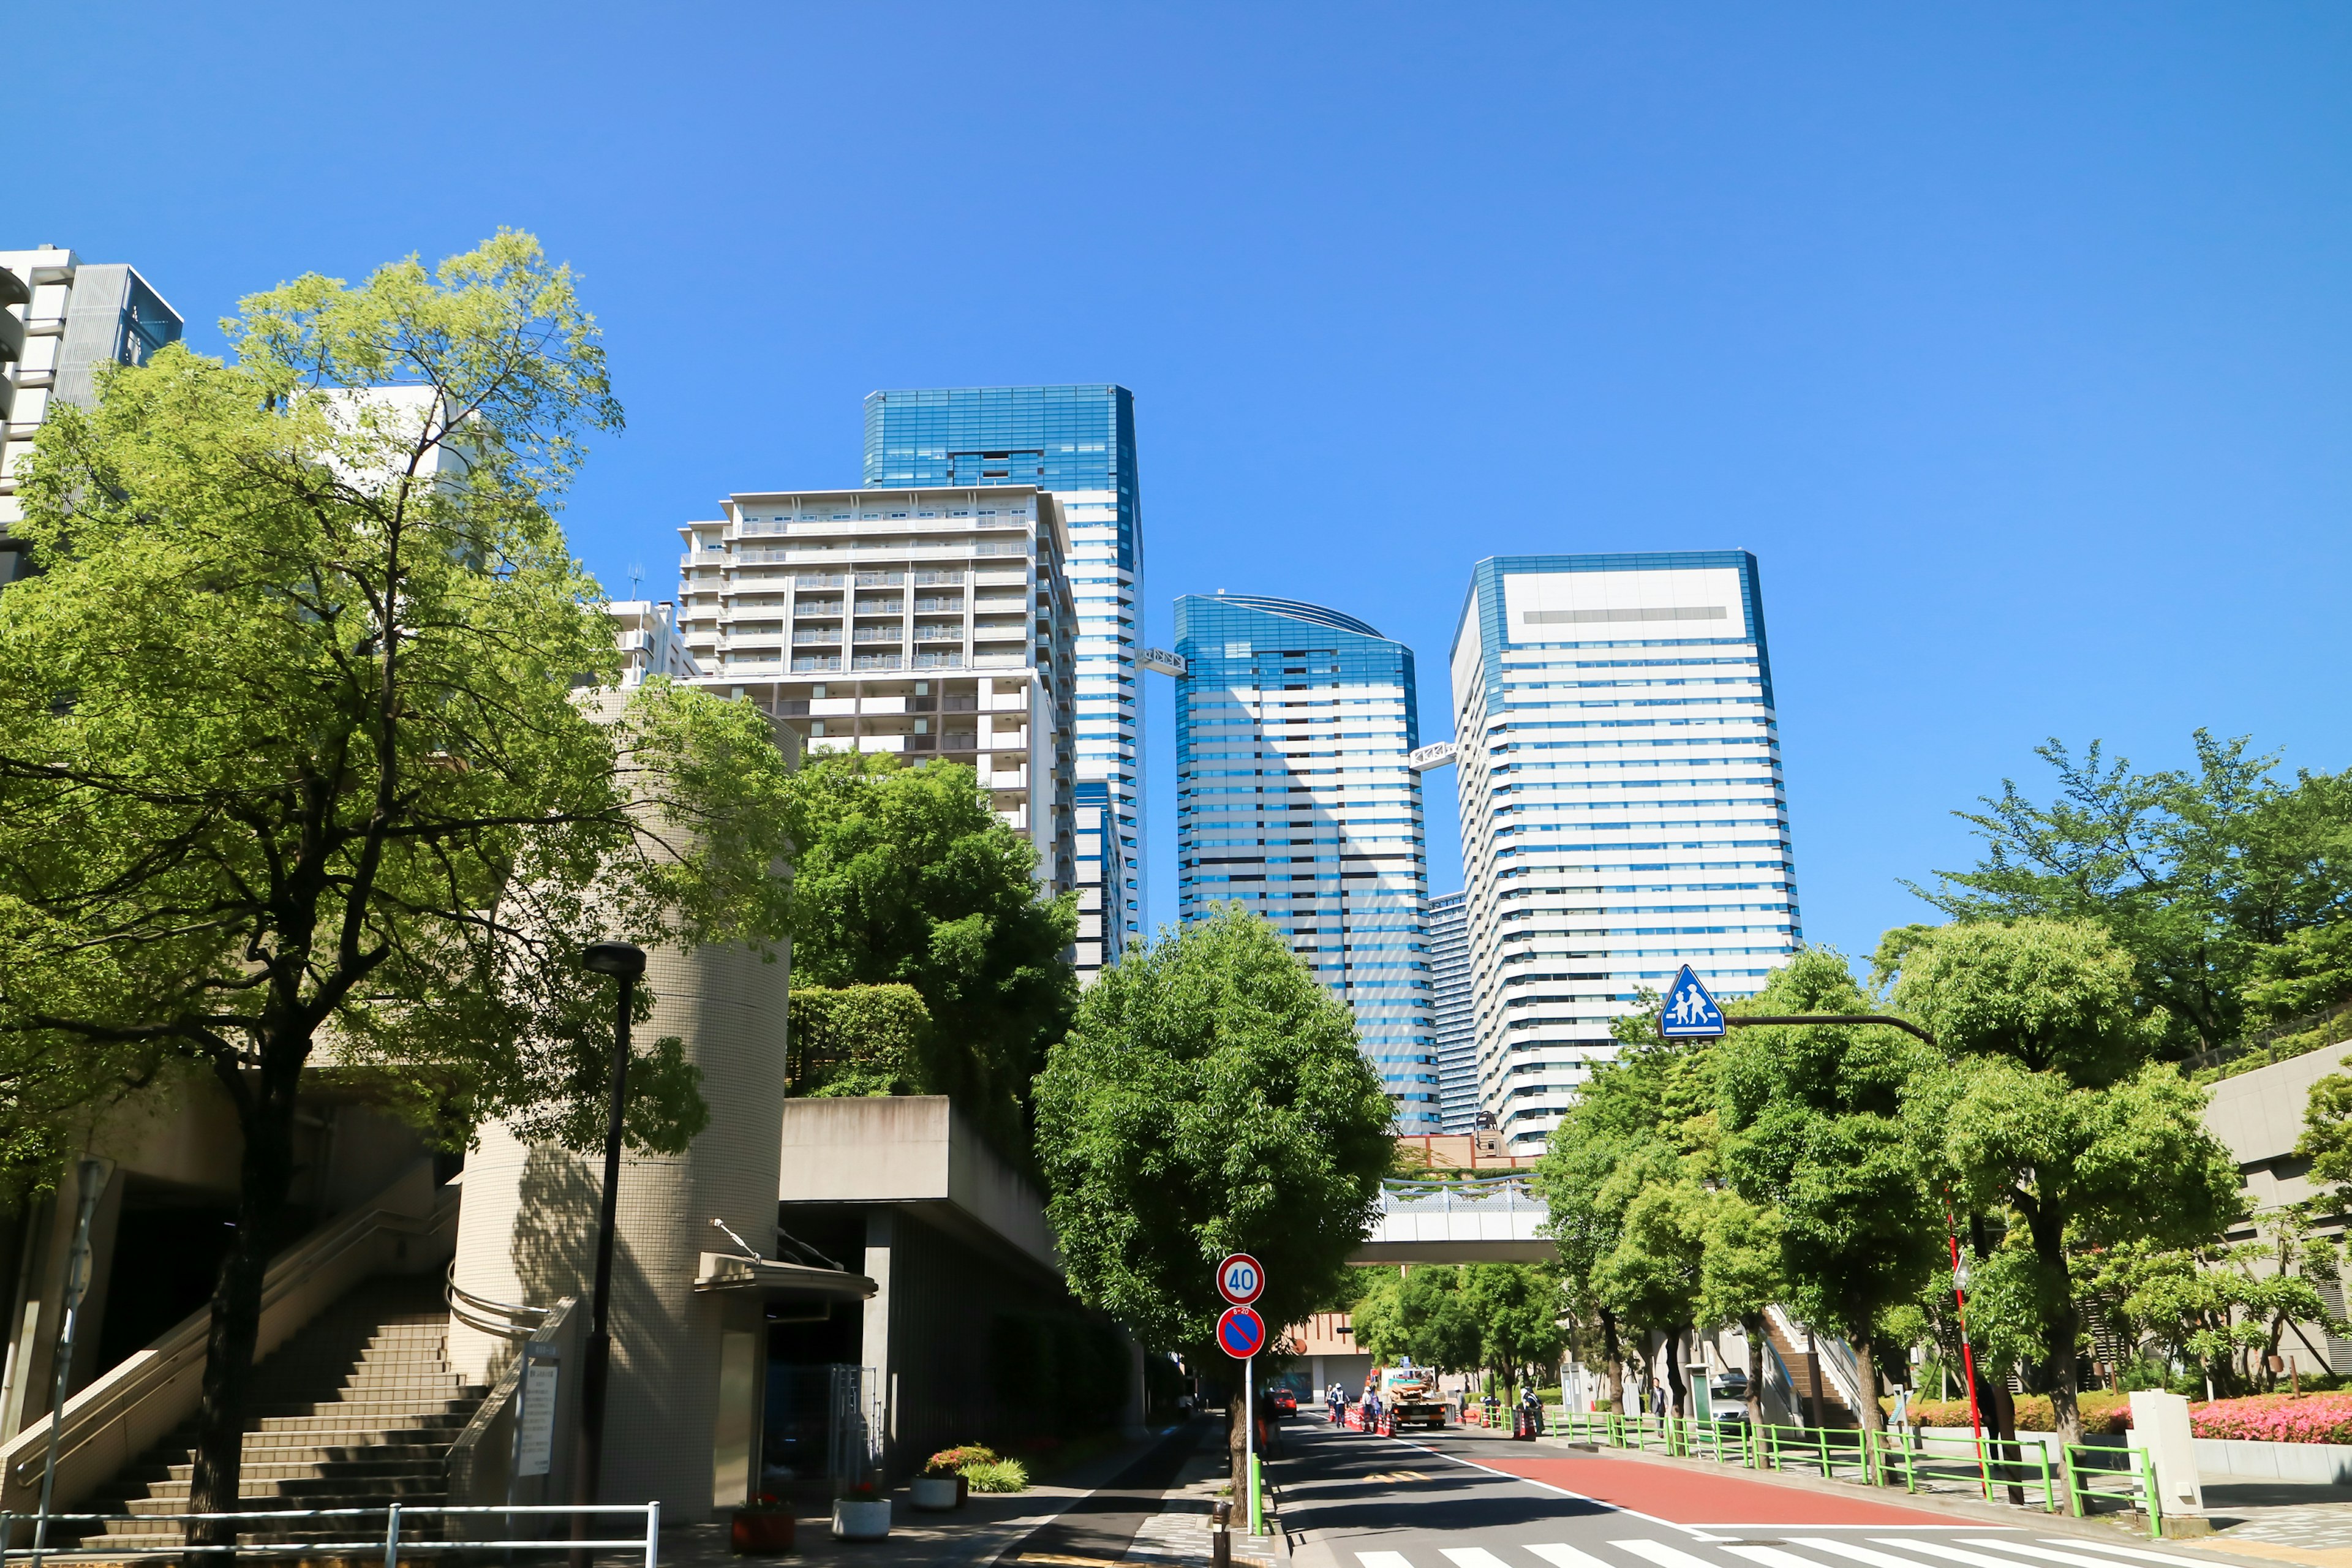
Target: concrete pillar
<point x="873" y="1345"/>
<point x="527" y="1233"/>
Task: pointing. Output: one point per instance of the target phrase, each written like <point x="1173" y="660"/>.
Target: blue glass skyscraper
<point x="1079" y="443"/>
<point x="1294" y="798"/>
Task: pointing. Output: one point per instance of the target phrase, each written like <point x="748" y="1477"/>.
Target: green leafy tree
<point x="1740" y="1274"/>
<point x="2048" y="1109"/>
<point x="291" y="763"/>
<point x="863" y="1040"/>
<point x="904" y="877"/>
<point x="2229" y="889"/>
<point x="1651" y="1278"/>
<point x="1421" y="1314"/>
<point x="2326" y="1140"/>
<point x="1813" y="1128"/>
<point x="1209" y="1099"/>
<point x="1516" y="1307"/>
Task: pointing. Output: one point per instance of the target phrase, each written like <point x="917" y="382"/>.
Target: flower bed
<point x="2276" y="1418"/>
<point x="2102" y="1414"/>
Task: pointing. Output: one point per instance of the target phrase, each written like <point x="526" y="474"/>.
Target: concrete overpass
<point x="1495" y="1219"/>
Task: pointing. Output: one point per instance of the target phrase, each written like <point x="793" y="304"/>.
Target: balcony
<point x="881" y="606"/>
<point x="816" y="607"/>
<point x="891" y="634"/>
<point x="938" y="634"/>
<point x="817" y="637"/>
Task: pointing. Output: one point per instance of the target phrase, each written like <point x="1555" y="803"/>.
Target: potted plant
<point x="861" y="1513"/>
<point x="761" y="1527"/>
<point x="944" y="1483"/>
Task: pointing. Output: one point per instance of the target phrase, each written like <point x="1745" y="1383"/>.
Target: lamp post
<point x="625" y="961"/>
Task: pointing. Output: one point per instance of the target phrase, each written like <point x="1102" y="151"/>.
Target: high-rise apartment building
<point x="1293" y="797"/>
<point x="1446" y="917"/>
<point x="1078" y="442"/>
<point x="923" y="622"/>
<point x="1622" y="810"/>
<point x="76" y="315"/>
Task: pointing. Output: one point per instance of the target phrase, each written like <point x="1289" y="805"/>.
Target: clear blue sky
<point x="2015" y="340"/>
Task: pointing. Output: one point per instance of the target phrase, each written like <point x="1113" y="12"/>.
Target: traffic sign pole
<point x="1241" y="1280"/>
<point x="1249" y="1437"/>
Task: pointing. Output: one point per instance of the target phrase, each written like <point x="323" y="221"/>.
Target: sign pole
<point x="1241" y="1280"/>
<point x="1249" y="1436"/>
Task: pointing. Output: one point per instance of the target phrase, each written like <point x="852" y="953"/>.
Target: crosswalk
<point x="1790" y="1550"/>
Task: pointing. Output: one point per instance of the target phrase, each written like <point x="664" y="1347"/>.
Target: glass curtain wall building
<point x="1293" y="798"/>
<point x="1078" y="442"/>
<point x="1458" y="1036"/>
<point x="1622" y="809"/>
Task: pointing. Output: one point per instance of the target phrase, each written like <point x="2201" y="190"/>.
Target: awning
<point x="732" y="1272"/>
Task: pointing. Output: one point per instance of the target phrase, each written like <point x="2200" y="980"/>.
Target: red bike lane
<point x="1678" y="1496"/>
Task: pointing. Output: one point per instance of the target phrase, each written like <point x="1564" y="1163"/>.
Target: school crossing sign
<point x="1690" y="1013"/>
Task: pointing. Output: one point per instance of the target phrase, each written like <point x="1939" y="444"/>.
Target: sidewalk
<point x="981" y="1533"/>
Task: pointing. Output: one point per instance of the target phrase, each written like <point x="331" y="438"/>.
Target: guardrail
<point x="2085" y="1474"/>
<point x="1484" y="1194"/>
<point x="391" y="1541"/>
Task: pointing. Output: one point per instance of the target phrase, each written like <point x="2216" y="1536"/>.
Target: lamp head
<point x="622" y="960"/>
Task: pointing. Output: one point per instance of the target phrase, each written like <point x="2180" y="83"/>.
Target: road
<point x="1464" y="1500"/>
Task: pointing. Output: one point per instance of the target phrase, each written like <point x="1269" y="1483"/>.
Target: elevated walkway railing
<point x="1478" y="1195"/>
<point x="484" y="1461"/>
<point x="132" y="1406"/>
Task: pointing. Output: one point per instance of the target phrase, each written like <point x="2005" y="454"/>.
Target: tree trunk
<point x="1612" y="1361"/>
<point x="1752" y="1326"/>
<point x="2063" y="1326"/>
<point x="1865" y="1369"/>
<point x="265" y="1171"/>
<point x="1238" y="1452"/>
<point x="1679" y="1391"/>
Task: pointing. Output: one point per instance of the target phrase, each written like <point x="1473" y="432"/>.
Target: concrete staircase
<point x="358" y="1410"/>
<point x="1834" y="1410"/>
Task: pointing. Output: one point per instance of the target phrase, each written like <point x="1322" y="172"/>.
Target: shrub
<point x="952" y="1461"/>
<point x="2103" y="1412"/>
<point x="2276" y="1418"/>
<point x="1003" y="1475"/>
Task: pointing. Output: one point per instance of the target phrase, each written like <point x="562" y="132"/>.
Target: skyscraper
<point x="1294" y="798"/>
<point x="1457" y="1033"/>
<point x="921" y="622"/>
<point x="1078" y="442"/>
<point x="78" y="316"/>
<point x="1622" y="809"/>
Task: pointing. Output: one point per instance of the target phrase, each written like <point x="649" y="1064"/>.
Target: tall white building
<point x="927" y="623"/>
<point x="1078" y="442"/>
<point x="1622" y="809"/>
<point x="74" y="316"/>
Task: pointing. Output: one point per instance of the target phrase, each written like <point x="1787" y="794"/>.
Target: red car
<point x="1283" y="1401"/>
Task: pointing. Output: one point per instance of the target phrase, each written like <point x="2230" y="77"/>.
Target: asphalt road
<point x="1462" y="1498"/>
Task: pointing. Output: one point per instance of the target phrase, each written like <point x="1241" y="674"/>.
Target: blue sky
<point x="2015" y="340"/>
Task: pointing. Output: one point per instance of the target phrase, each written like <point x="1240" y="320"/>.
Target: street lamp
<point x="625" y="961"/>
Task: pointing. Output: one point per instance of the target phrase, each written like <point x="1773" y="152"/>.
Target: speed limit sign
<point x="1240" y="1279"/>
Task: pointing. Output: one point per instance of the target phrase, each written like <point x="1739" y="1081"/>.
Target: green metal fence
<point x="2126" y="1476"/>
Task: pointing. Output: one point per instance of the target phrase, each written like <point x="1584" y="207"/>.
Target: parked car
<point x="1730" y="1384"/>
<point x="1284" y="1400"/>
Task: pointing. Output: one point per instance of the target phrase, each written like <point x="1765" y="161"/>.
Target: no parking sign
<point x="1241" y="1334"/>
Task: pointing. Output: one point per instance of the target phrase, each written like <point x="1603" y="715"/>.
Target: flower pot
<point x="855" y="1519"/>
<point x="936" y="1494"/>
<point x="963" y="1488"/>
<point x="760" y="1532"/>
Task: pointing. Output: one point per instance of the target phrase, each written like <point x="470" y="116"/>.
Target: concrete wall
<point x="2259" y="1115"/>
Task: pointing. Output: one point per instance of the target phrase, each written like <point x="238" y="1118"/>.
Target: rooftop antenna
<point x="636" y="575"/>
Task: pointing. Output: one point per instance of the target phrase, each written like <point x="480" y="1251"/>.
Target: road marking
<point x="1974" y="1559"/>
<point x="1664" y="1555"/>
<point x="1062" y="1561"/>
<point x="2134" y="1552"/>
<point x="1771" y="1557"/>
<point x="1560" y="1556"/>
<point x="1859" y="1553"/>
<point x="2072" y="1559"/>
<point x="1473" y="1557"/>
<point x="1383" y="1559"/>
<point x="1559" y="1491"/>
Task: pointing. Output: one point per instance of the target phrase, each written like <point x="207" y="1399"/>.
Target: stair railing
<point x="133" y="1404"/>
<point x="483" y="1461"/>
<point x="501" y="1319"/>
<point x="1839" y="1368"/>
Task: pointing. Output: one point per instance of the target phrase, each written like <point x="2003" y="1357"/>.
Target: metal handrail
<point x="1480" y="1191"/>
<point x="501" y="1320"/>
<point x="391" y="1542"/>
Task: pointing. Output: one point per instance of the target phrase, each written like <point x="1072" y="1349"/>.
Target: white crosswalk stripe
<point x="1664" y="1555"/>
<point x="1473" y="1557"/>
<point x="2143" y="1555"/>
<point x="1858" y="1553"/>
<point x="1383" y="1559"/>
<point x="1954" y="1554"/>
<point x="1771" y="1557"/>
<point x="2072" y="1559"/>
<point x="1564" y="1556"/>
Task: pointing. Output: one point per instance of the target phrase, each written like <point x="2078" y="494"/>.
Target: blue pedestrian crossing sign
<point x="1690" y="1013"/>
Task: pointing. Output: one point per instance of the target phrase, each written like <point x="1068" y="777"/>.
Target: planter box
<point x="854" y="1520"/>
<point x="2330" y="1462"/>
<point x="760" y="1532"/>
<point x="935" y="1494"/>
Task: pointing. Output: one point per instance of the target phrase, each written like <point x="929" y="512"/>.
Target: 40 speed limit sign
<point x="1240" y="1279"/>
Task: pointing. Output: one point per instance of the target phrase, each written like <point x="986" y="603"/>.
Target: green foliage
<point x="951" y="1462"/>
<point x="1209" y="1099"/>
<point x="1517" y="1307"/>
<point x="904" y="877"/>
<point x="2326" y="1140"/>
<point x="862" y="1039"/>
<point x="2048" y="1113"/>
<point x="2227" y="889"/>
<point x="290" y="755"/>
<point x="1813" y="1116"/>
<point x="1002" y="1476"/>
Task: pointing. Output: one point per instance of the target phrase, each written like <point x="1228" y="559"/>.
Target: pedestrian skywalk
<point x="1711" y="1549"/>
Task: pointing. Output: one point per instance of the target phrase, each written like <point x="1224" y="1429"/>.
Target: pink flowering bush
<point x="2276" y="1418"/>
